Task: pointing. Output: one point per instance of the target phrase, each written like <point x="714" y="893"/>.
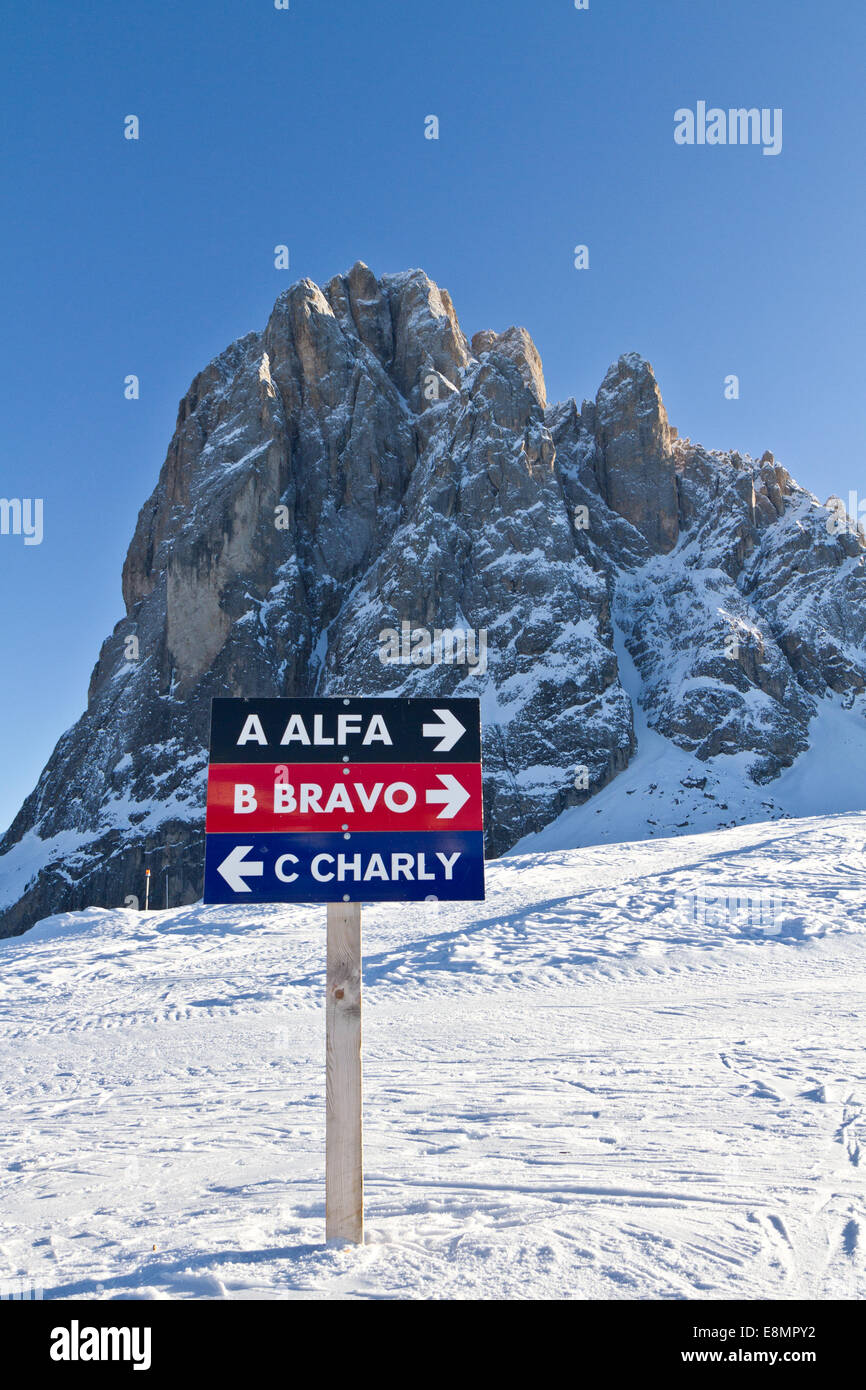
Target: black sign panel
<point x="368" y="730"/>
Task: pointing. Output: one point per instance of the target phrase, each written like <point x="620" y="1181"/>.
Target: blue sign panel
<point x="361" y="867"/>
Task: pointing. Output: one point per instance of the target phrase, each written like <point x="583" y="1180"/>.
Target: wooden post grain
<point x="344" y="1181"/>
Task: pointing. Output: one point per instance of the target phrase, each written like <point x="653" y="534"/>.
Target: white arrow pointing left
<point x="454" y="795"/>
<point x="235" y="868"/>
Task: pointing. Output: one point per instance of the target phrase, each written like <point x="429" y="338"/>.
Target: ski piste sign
<point x="344" y="800"/>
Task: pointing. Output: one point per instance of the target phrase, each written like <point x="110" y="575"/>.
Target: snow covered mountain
<point x="663" y="637"/>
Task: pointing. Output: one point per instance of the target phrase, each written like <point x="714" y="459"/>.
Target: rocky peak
<point x="636" y="469"/>
<point x="518" y="347"/>
<point x="357" y="466"/>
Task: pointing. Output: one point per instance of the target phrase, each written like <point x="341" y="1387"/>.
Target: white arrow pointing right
<point x="454" y="796"/>
<point x="448" y="732"/>
<point x="235" y="868"/>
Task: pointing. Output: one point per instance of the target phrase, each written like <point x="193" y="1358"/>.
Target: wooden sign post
<point x="344" y="800"/>
<point x="344" y="1170"/>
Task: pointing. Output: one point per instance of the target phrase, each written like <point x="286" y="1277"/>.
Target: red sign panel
<point x="268" y="797"/>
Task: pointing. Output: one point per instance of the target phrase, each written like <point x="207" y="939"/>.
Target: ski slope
<point x="606" y="1081"/>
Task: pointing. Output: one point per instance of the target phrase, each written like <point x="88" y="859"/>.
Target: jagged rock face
<point x="760" y="611"/>
<point x="359" y="471"/>
<point x="635" y="463"/>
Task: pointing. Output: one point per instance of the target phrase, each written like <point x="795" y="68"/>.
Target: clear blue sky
<point x="305" y="127"/>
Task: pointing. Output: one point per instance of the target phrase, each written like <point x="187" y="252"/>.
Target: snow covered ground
<point x="635" y="1071"/>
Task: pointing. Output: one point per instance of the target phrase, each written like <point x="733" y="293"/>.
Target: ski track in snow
<point x="574" y="1089"/>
